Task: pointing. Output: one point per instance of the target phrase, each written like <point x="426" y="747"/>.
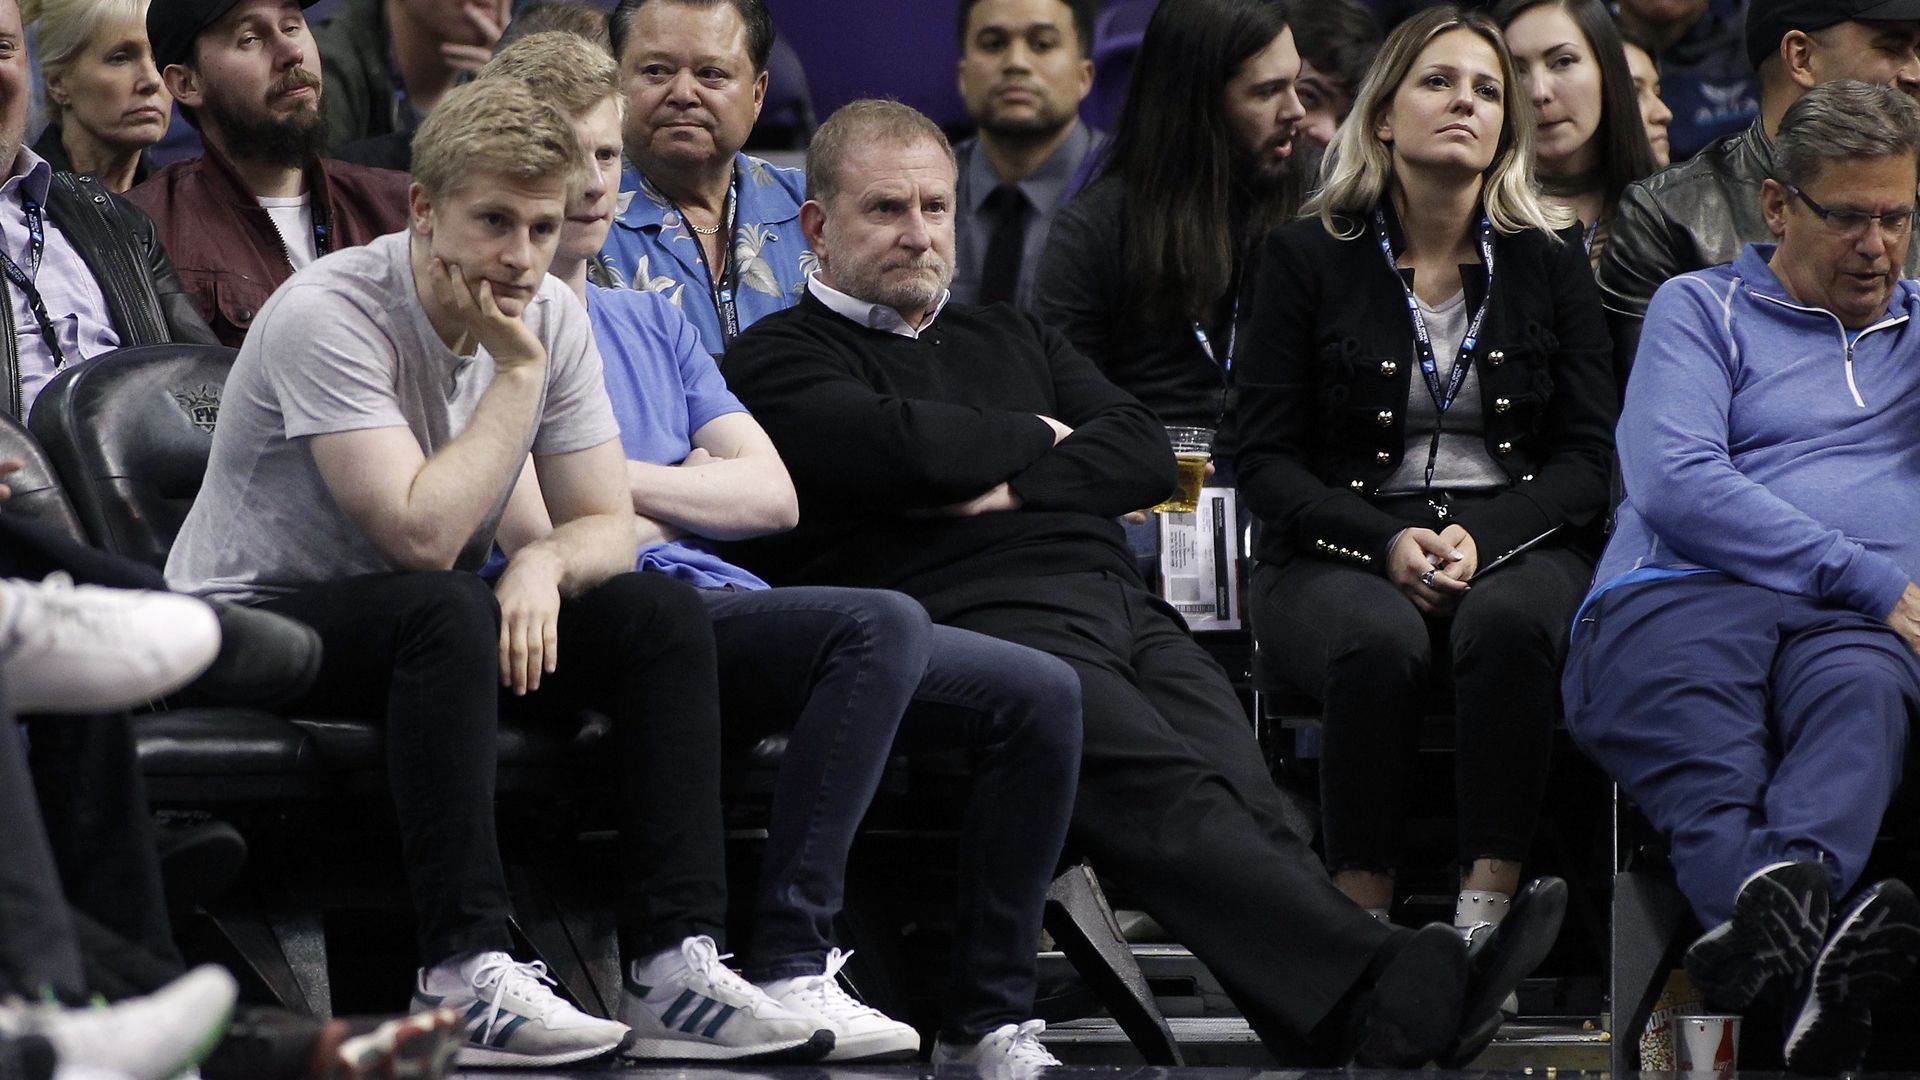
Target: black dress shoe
<point x="1412" y="1012"/>
<point x="1506" y="956"/>
<point x="265" y="660"/>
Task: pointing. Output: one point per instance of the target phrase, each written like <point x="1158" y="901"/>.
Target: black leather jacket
<point x="1697" y="214"/>
<point x="145" y="302"/>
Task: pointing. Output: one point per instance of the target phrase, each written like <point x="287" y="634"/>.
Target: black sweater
<point x="879" y="430"/>
<point x="1328" y="363"/>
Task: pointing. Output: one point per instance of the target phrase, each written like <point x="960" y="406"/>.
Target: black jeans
<point x="859" y="673"/>
<point x="1175" y="804"/>
<point x="1352" y="640"/>
<point x="78" y="827"/>
<point x="39" y="951"/>
<point x="422" y="651"/>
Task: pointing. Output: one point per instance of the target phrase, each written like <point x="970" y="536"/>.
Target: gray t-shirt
<point x="345" y="345"/>
<point x="1462" y="463"/>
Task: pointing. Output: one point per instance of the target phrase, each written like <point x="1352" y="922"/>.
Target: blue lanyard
<point x="23" y="279"/>
<point x="726" y="283"/>
<point x="1422" y="339"/>
<point x="1233" y="332"/>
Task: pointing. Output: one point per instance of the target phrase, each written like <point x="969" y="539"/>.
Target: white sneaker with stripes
<point x="702" y="1010"/>
<point x="510" y="1017"/>
<point x="860" y="1031"/>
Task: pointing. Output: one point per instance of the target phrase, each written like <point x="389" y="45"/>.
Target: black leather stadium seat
<point x="129" y="433"/>
<point x="37" y="493"/>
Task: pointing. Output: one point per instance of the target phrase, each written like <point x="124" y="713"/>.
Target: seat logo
<point x="202" y="406"/>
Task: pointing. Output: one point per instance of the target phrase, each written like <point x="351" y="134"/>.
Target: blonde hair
<point x="1358" y="167"/>
<point x="561" y="67"/>
<point x="496" y="128"/>
<point x="64" y="28"/>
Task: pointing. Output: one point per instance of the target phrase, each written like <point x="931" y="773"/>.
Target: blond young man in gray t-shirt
<point x="373" y="429"/>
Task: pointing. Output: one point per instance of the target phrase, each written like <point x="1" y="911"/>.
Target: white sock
<point x="1475" y="907"/>
<point x="657" y="968"/>
<point x="454" y="973"/>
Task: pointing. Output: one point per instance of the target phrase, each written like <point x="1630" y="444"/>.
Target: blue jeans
<point x="857" y="671"/>
<point x="1749" y="725"/>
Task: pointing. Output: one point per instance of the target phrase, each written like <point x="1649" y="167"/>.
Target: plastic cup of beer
<point x="1192" y="450"/>
<point x="1706" y="1044"/>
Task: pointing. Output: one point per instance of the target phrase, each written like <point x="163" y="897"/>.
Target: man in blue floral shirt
<point x="714" y="230"/>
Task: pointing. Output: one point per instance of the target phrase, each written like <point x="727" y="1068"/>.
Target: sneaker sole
<point x="813" y="1048"/>
<point x="1770" y="936"/>
<point x="1870" y="954"/>
<point x="492" y="1056"/>
<point x="875" y="1046"/>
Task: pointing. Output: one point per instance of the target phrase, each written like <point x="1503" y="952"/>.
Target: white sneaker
<point x="704" y="1011"/>
<point x="860" y="1031"/>
<point x="510" y="1016"/>
<point x="89" y="649"/>
<point x="1009" y="1048"/>
<point x="146" y="1038"/>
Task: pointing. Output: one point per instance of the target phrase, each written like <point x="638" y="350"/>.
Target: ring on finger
<point x="1427" y="579"/>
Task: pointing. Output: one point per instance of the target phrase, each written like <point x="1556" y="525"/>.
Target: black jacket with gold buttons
<point x="1329" y="359"/>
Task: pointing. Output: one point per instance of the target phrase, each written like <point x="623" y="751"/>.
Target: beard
<point x="1044" y="124"/>
<point x="254" y="133"/>
<point x="869" y="283"/>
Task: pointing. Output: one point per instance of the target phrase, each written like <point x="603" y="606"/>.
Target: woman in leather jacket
<point x="106" y="98"/>
<point x="1427" y="511"/>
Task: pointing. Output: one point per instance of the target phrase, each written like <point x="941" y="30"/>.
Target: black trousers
<point x="1175" y="804"/>
<point x="422" y="651"/>
<point x="77" y="827"/>
<point x="1355" y="642"/>
<point x="39" y="951"/>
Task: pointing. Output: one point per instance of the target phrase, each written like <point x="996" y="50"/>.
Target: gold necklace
<point x="703" y="230"/>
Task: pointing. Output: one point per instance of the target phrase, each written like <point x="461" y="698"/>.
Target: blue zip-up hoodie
<point x="1758" y="441"/>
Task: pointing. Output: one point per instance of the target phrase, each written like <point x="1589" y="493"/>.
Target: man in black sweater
<point x="970" y="458"/>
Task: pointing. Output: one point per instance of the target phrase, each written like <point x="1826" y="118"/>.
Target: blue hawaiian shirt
<point x="651" y="249"/>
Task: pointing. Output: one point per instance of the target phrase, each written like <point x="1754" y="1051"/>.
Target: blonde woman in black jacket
<point x="1426" y="432"/>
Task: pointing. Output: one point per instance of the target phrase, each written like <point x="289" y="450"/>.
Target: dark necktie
<point x="1000" y="274"/>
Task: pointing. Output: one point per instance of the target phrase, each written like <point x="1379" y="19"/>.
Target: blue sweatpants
<point x="1749" y="725"/>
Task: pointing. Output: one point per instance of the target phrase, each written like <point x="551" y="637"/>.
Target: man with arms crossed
<point x="968" y="457"/>
<point x="1745" y="665"/>
<point x="374" y="424"/>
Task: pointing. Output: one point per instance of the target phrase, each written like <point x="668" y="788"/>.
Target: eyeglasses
<point x="1853" y="223"/>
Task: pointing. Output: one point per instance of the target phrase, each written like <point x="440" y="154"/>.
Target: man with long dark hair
<point x="1144" y="272"/>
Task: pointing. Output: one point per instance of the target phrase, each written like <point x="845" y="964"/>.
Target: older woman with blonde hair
<point x="107" y="101"/>
<point x="1426" y="414"/>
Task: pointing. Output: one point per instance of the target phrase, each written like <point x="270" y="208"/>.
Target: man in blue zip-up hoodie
<point x="1745" y="666"/>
